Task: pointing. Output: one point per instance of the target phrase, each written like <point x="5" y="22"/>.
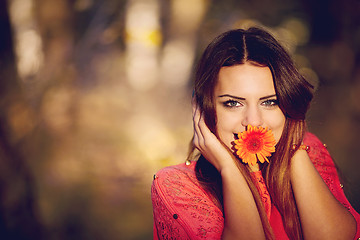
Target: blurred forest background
<point x="95" y="98"/>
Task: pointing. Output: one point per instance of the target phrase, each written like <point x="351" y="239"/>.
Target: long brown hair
<point x="256" y="46"/>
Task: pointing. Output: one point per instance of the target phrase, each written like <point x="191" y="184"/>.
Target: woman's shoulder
<point x="319" y="153"/>
<point x="324" y="164"/>
<point x="327" y="169"/>
<point x="179" y="200"/>
<point x="179" y="183"/>
<point x="183" y="171"/>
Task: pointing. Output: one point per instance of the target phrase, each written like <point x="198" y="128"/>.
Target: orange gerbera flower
<point x="256" y="143"/>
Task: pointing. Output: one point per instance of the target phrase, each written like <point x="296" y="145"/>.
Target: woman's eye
<point x="232" y="103"/>
<point x="270" y="103"/>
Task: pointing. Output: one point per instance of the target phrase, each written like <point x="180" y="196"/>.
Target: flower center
<point x="254" y="144"/>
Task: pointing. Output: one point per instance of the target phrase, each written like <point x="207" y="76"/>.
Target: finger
<point x="196" y="118"/>
<point x="208" y="138"/>
<point x="196" y="140"/>
<point x="203" y="128"/>
<point x="194" y="106"/>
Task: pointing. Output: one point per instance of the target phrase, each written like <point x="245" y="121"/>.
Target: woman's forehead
<point x="245" y="79"/>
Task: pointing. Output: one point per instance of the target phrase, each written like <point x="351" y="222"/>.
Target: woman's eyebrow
<point x="241" y="98"/>
<point x="231" y="96"/>
<point x="266" y="97"/>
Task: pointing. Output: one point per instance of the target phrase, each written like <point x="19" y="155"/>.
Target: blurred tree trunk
<point x="18" y="211"/>
<point x="54" y="20"/>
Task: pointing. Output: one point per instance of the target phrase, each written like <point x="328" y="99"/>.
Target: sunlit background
<point x="95" y="98"/>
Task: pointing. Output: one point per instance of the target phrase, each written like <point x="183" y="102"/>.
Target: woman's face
<point x="245" y="94"/>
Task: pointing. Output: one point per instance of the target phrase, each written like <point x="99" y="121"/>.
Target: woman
<point x="245" y="83"/>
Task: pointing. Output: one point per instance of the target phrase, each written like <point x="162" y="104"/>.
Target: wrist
<point x="230" y="172"/>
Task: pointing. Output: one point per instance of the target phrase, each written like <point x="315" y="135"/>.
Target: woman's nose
<point x="252" y="116"/>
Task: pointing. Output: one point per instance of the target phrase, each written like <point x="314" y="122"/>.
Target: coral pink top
<point x="184" y="210"/>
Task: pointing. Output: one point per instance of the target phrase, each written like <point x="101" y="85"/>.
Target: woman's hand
<point x="208" y="144"/>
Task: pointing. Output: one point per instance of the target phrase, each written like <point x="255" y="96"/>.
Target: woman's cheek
<point x="278" y="132"/>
